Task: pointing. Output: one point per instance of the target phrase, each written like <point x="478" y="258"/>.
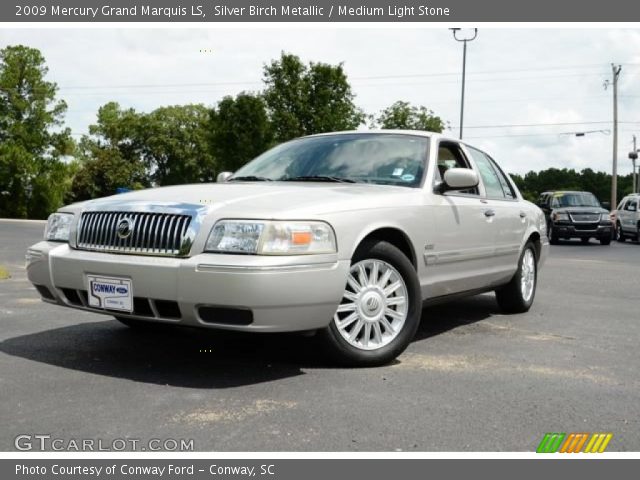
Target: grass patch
<point x="4" y="273"/>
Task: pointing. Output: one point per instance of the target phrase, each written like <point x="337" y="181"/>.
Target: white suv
<point x="628" y="218"/>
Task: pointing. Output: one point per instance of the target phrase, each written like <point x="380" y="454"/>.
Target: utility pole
<point x="614" y="171"/>
<point x="464" y="68"/>
<point x="633" y="156"/>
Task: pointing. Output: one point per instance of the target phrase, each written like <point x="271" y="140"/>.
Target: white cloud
<point x="516" y="76"/>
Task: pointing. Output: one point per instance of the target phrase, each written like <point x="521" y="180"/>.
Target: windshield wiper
<point x="250" y="178"/>
<point x="317" y="178"/>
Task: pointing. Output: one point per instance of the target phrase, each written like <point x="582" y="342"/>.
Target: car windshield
<point x="576" y="200"/>
<point x="386" y="159"/>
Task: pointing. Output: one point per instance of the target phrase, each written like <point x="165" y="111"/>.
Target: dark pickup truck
<point x="575" y="215"/>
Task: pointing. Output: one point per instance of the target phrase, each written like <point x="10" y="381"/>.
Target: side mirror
<point x="460" y="179"/>
<point x="223" y="177"/>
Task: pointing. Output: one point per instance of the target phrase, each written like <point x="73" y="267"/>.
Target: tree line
<point x="532" y="184"/>
<point x="43" y="167"/>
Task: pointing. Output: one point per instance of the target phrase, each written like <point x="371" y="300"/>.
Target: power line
<point x="358" y="78"/>
<point x="559" y="124"/>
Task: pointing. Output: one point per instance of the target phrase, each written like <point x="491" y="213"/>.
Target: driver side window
<point x="450" y="156"/>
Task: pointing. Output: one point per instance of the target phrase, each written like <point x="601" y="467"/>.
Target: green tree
<point x="32" y="142"/>
<point x="241" y="130"/>
<point x="306" y="99"/>
<point x="532" y="184"/>
<point x="110" y="156"/>
<point x="175" y="144"/>
<point x="404" y="116"/>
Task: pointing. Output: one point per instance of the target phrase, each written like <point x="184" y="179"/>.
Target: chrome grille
<point x="148" y="233"/>
<point x="585" y="217"/>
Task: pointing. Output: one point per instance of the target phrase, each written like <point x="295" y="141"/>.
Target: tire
<point x="514" y="297"/>
<point x="620" y="233"/>
<point x="553" y="239"/>
<point x="605" y="241"/>
<point x="361" y="332"/>
<point x="585" y="240"/>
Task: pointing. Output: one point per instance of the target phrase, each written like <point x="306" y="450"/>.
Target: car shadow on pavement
<point x="192" y="358"/>
<point x="441" y="318"/>
<point x="197" y="358"/>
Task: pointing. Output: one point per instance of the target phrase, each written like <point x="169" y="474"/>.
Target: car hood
<point x="269" y="199"/>
<point x="594" y="210"/>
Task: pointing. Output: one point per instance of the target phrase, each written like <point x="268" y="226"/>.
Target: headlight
<point x="560" y="217"/>
<point x="58" y="226"/>
<point x="605" y="217"/>
<point x="271" y="237"/>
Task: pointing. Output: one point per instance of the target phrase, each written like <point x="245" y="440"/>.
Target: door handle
<point x="489" y="213"/>
<point x="523" y="214"/>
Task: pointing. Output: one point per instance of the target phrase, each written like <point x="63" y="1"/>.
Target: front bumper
<point x="279" y="293"/>
<point x="583" y="231"/>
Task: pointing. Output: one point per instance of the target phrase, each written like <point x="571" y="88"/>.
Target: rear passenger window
<point x="490" y="179"/>
<point x="632" y="205"/>
<point x="504" y="182"/>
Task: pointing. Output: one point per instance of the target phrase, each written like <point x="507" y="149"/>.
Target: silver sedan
<point x="346" y="234"/>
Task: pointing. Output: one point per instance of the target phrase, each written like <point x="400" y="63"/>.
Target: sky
<point x="520" y="76"/>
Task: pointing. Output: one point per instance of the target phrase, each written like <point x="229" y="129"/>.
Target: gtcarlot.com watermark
<point x="47" y="442"/>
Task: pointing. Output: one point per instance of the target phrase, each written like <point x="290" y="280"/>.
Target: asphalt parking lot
<point x="473" y="379"/>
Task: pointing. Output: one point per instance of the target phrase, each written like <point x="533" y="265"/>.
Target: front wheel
<point x="620" y="233"/>
<point x="605" y="240"/>
<point x="517" y="295"/>
<point x="553" y="237"/>
<point x="380" y="308"/>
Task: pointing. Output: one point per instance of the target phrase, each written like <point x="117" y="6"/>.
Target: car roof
<point x="564" y="191"/>
<point x="419" y="133"/>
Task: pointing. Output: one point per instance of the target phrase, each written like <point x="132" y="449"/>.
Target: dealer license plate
<point x="110" y="293"/>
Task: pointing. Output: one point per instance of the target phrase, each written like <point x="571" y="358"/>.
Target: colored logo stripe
<point x="550" y="442"/>
<point x="598" y="442"/>
<point x="573" y="443"/>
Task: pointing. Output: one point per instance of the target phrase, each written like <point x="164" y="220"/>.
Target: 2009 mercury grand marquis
<point x="345" y="233"/>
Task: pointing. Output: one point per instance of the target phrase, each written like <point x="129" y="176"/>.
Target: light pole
<point x="585" y="133"/>
<point x="464" y="67"/>
<point x="615" y="70"/>
<point x="633" y="155"/>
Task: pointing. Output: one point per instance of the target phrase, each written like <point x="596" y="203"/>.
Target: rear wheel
<point x="584" y="240"/>
<point x="619" y="232"/>
<point x="380" y="308"/>
<point x="517" y="295"/>
<point x="605" y="240"/>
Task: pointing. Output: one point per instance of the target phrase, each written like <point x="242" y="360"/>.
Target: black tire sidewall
<point x="345" y="352"/>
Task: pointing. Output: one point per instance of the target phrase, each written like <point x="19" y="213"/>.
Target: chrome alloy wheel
<point x="527" y="274"/>
<point x="374" y="305"/>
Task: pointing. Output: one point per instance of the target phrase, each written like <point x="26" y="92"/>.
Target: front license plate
<point x="111" y="293"/>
